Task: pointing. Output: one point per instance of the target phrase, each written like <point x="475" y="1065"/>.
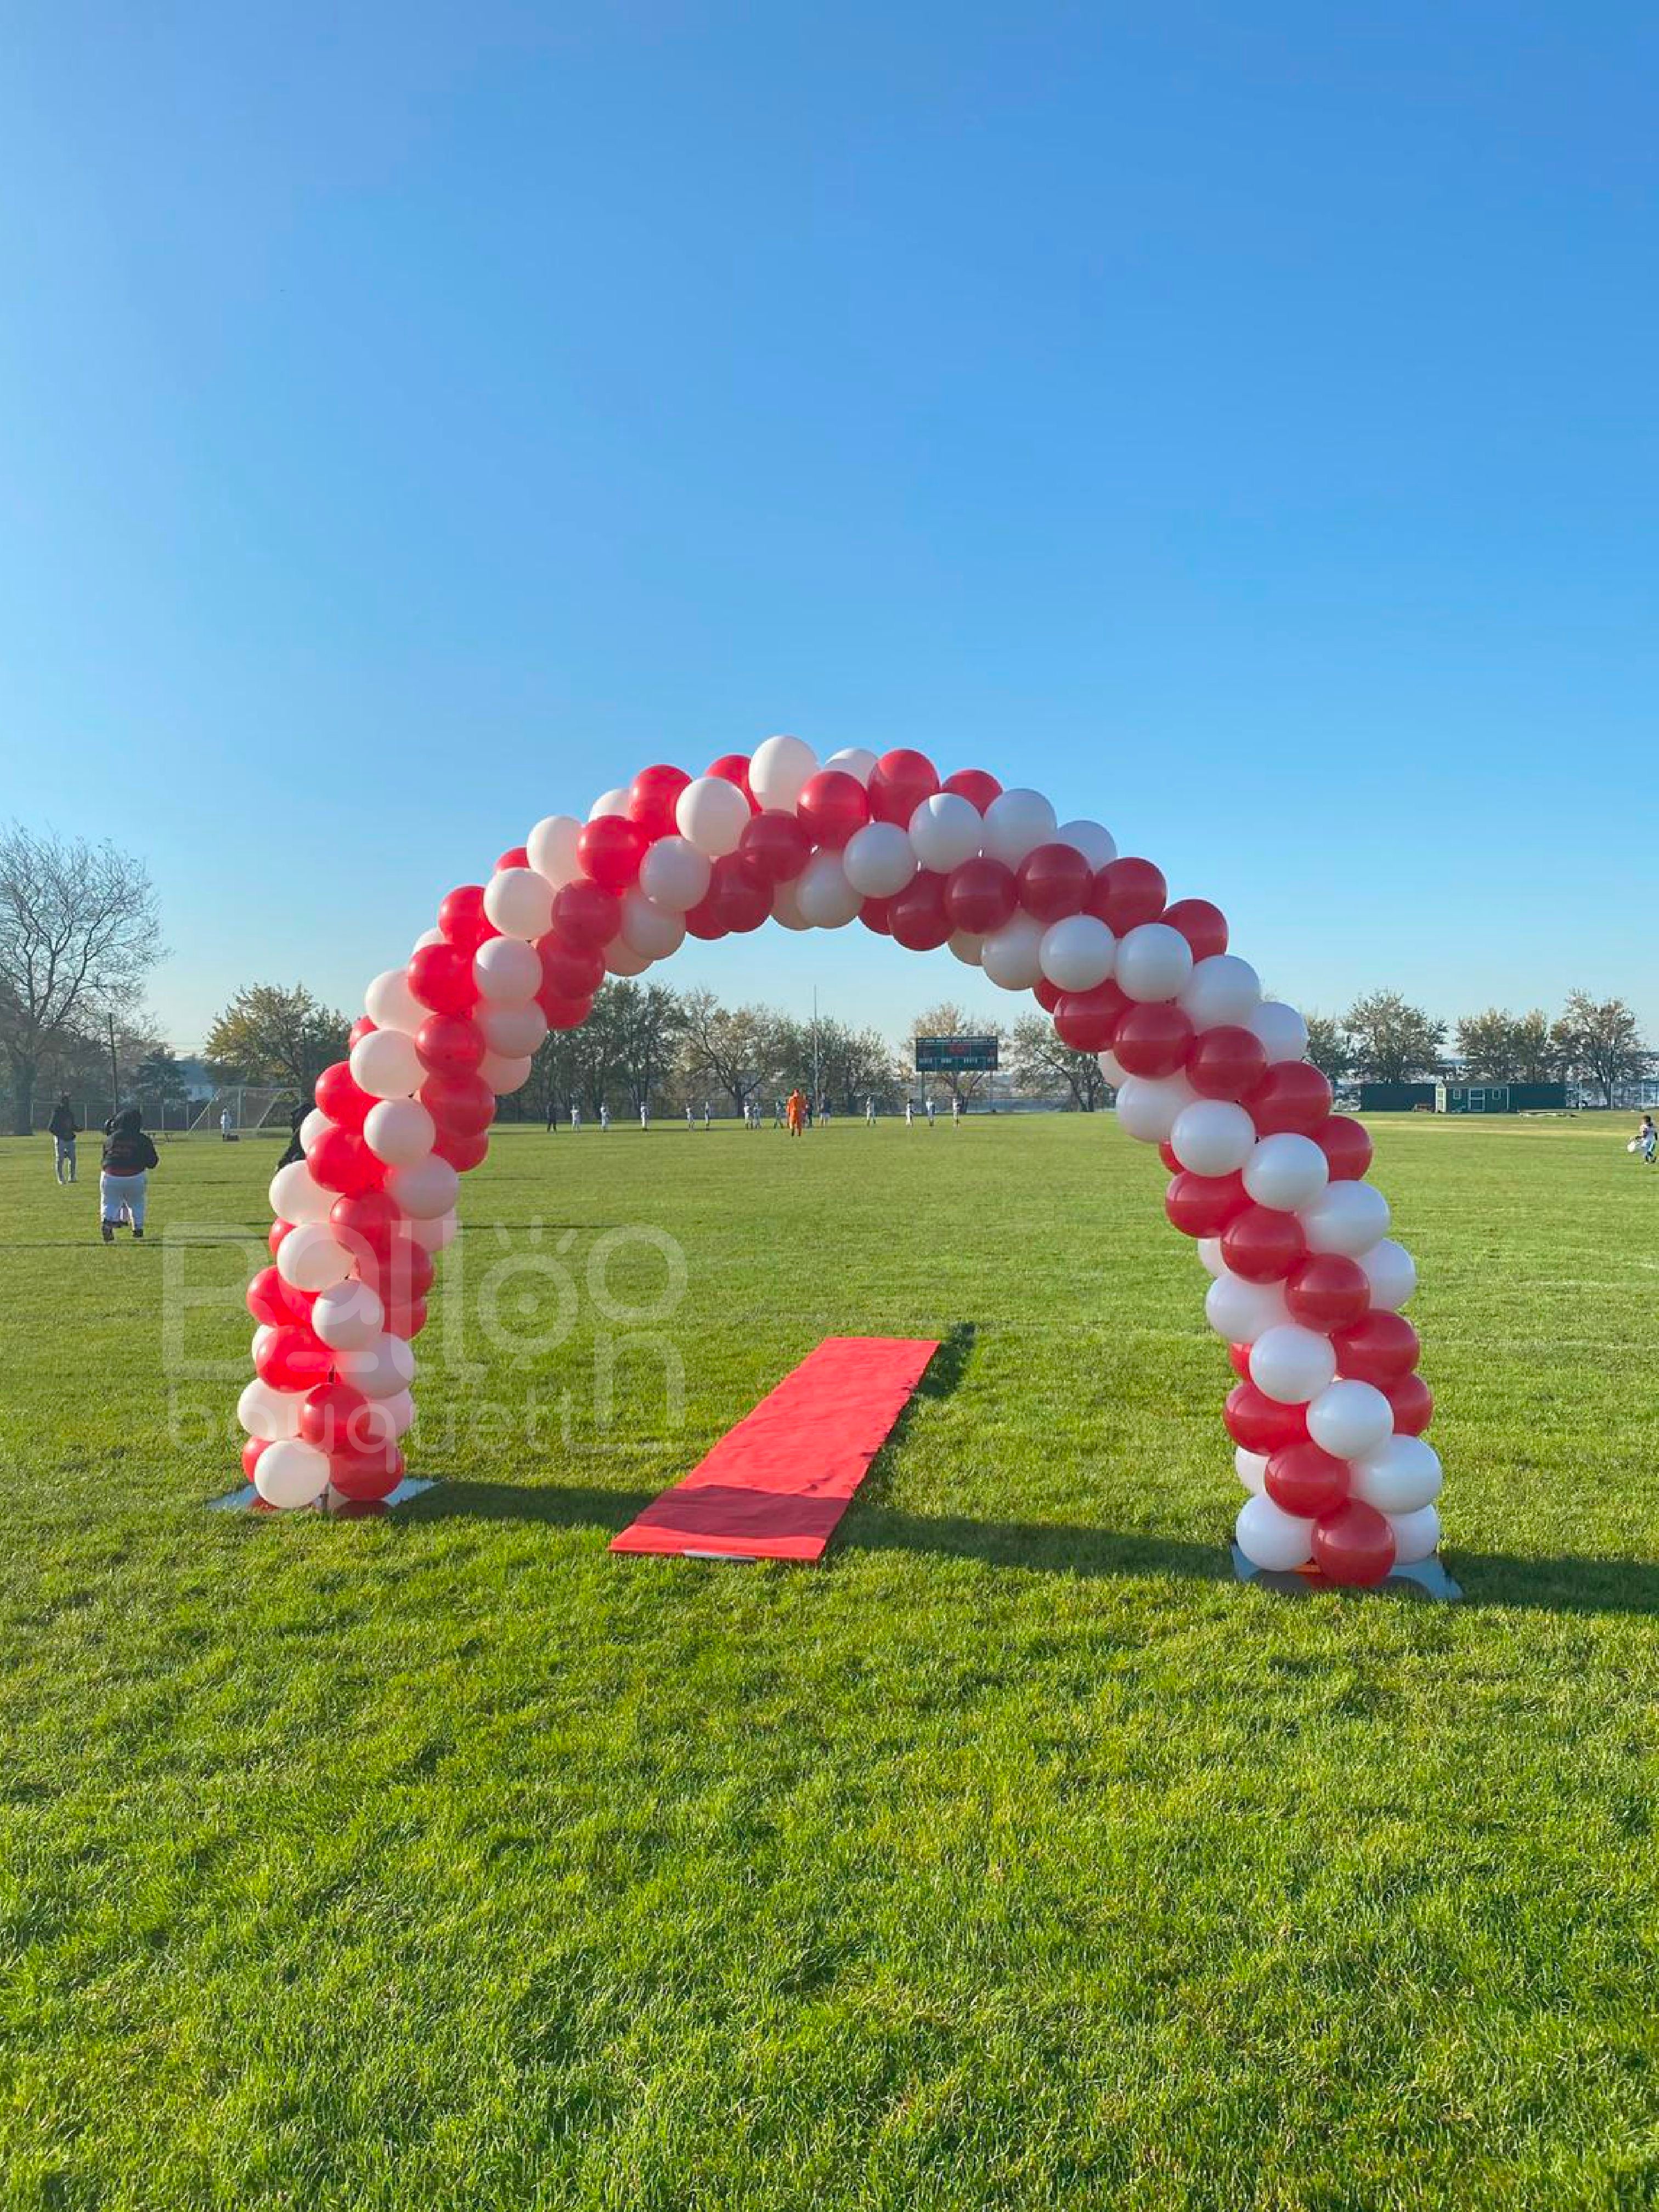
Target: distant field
<point x="1017" y="1857"/>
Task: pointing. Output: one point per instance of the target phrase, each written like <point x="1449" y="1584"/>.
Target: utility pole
<point x="114" y="1072"/>
<point x="817" y="1094"/>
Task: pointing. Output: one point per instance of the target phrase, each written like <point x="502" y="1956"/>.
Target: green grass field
<point x="1017" y="1856"/>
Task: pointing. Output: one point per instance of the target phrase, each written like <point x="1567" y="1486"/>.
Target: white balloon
<point x="966" y="946"/>
<point x="385" y="1064"/>
<point x="380" y="1369"/>
<point x="505" y="1073"/>
<point x="1015" y="824"/>
<point x="655" y="931"/>
<point x="348" y="1316"/>
<point x="311" y="1129"/>
<point x="427" y="1190"/>
<point x="506" y="968"/>
<point x="1153" y="963"/>
<point x="1416" y="1535"/>
<point x="1346" y="1217"/>
<point x="824" y="897"/>
<point x="1349" y="1419"/>
<point x="1098" y="846"/>
<point x="435" y="1236"/>
<point x="1391" y="1271"/>
<point x="674" y="874"/>
<point x="711" y="814"/>
<point x="1012" y="956"/>
<point x="1209" y="1254"/>
<point x="1221" y="989"/>
<point x="608" y="802"/>
<point x="398" y="1412"/>
<point x="1281" y="1030"/>
<point x="1251" y="1468"/>
<point x="1291" y="1364"/>
<point x="391" y="1005"/>
<point x="779" y="770"/>
<point x="312" y="1257"/>
<point x="879" y="859"/>
<point x="399" y="1131"/>
<point x="1078" y="952"/>
<point x="1401" y="1476"/>
<point x="551" y="846"/>
<point x="946" y="831"/>
<point x="785" y="908"/>
<point x="1214" y="1137"/>
<point x="291" y="1473"/>
<point x="1271" y="1539"/>
<point x="1113" y="1069"/>
<point x="267" y="1413"/>
<point x="519" y="903"/>
<point x="262" y="1336"/>
<point x="1242" y="1311"/>
<point x="622" y="959"/>
<point x="1149" y="1106"/>
<point x="295" y="1196"/>
<point x="856" y="761"/>
<point x="1286" y="1170"/>
<point x="513" y="1031"/>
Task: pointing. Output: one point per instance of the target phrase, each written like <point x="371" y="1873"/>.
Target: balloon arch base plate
<point x="1423" y="1578"/>
<point x="248" y="1500"/>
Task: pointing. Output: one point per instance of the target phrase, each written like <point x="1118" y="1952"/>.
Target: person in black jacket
<point x="65" y="1131"/>
<point x="129" y="1156"/>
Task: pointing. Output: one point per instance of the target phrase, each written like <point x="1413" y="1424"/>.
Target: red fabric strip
<point x="775" y="1487"/>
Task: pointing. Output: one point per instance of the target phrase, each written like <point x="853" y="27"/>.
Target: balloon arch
<point x="1327" y="1413"/>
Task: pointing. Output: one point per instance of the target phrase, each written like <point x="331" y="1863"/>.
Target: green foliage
<point x="1601" y="1040"/>
<point x="1390" y="1040"/>
<point x="271" y="1034"/>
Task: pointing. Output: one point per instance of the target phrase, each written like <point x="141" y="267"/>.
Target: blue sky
<point x="1240" y="422"/>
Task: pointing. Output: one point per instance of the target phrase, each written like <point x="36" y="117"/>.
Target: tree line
<point x="1383" y="1038"/>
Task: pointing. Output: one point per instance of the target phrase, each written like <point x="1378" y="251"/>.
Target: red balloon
<point x="1327" y="1292"/>
<point x="333" y="1417"/>
<point x="1047" y="994"/>
<point x="363" y="1478"/>
<point x="366" y="1223"/>
<point x="981" y="896"/>
<point x="1203" y="1206"/>
<point x="516" y="856"/>
<point x="1292" y="1095"/>
<point x="609" y="852"/>
<point x="1239" y="1359"/>
<point x="1260" y="1423"/>
<point x="463" y="1103"/>
<point x="405" y="1317"/>
<point x="267" y="1300"/>
<point x="1126" y="892"/>
<point x="832" y="806"/>
<point x="462" y="919"/>
<point x="359" y="1029"/>
<point x="1088" y="1020"/>
<point x="1166" y="1153"/>
<point x="1353" y="1546"/>
<point x="775" y="845"/>
<point x="290" y="1359"/>
<point x="1413" y="1405"/>
<point x="251" y="1451"/>
<point x="1262" y="1244"/>
<point x="1383" y="1348"/>
<point x="448" y="1045"/>
<point x="563" y="1013"/>
<point x="873" y="914"/>
<point x="703" y="920"/>
<point x="462" y="1151"/>
<point x="275" y="1235"/>
<point x="1347" y="1144"/>
<point x="916" y="914"/>
<point x="734" y="767"/>
<point x="1304" y="1481"/>
<point x="651" y="798"/>
<point x="1153" y="1040"/>
<point x="899" y="782"/>
<point x="584" y="914"/>
<point x="440" y="976"/>
<point x="1226" y="1061"/>
<point x="1054" y="880"/>
<point x="400" y="1274"/>
<point x="976" y="785"/>
<point x="340" y="1098"/>
<point x="1203" y="925"/>
<point x="568" y="971"/>
<point x="340" y="1160"/>
<point x="739" y="895"/>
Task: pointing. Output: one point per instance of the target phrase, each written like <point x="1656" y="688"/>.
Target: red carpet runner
<point x="775" y="1487"/>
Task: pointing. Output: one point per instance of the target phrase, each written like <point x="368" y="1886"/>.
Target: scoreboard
<point x="955" y="1056"/>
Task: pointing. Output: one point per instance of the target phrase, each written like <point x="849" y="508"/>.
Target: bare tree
<point x="1601" y="1040"/>
<point x="78" y="934"/>
<point x="736" y="1045"/>
<point x="948" y="1019"/>
<point x="1042" y="1062"/>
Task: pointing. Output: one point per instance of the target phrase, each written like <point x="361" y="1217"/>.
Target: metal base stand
<point x="1424" y="1577"/>
<point x="248" y="1500"/>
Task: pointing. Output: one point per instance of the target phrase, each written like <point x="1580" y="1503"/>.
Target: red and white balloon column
<point x="1327" y="1412"/>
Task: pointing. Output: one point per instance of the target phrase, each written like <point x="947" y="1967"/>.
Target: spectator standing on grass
<point x="124" y="1184"/>
<point x="64" y="1130"/>
<point x="224" y="1124"/>
<point x="294" y="1150"/>
<point x="552" y="1116"/>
